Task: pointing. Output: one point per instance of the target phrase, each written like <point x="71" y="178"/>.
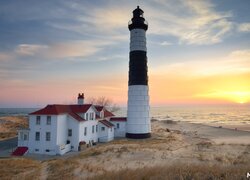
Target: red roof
<point x="108" y="113"/>
<point x="56" y="109"/>
<point x="118" y="119"/>
<point x="106" y="123"/>
<point x="76" y="116"/>
<point x="71" y="110"/>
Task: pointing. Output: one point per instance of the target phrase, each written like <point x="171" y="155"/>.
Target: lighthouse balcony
<point x="138" y="23"/>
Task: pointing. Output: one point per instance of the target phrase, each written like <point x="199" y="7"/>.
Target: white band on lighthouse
<point x="138" y="110"/>
<point x="138" y="40"/>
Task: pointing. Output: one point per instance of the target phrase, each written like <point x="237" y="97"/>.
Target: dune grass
<point x="182" y="172"/>
<point x="19" y="168"/>
<point x="61" y="169"/>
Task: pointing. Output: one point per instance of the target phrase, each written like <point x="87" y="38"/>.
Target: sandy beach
<point x="173" y="144"/>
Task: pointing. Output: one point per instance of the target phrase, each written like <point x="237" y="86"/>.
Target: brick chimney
<point x="80" y="99"/>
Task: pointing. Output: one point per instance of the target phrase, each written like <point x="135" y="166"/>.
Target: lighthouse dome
<point x="138" y="21"/>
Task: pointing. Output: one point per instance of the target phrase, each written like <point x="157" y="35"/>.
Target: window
<point x="36" y="150"/>
<point x="111" y="129"/>
<point x="48" y="120"/>
<point x="103" y="128"/>
<point x="38" y="120"/>
<point x="93" y="129"/>
<point x="69" y="132"/>
<point x="25" y="137"/>
<point x="117" y="125"/>
<point x="96" y="128"/>
<point x="85" y="131"/>
<point x="47" y="136"/>
<point x="37" y="136"/>
<point x="87" y="116"/>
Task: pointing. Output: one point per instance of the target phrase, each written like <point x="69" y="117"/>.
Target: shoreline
<point x="236" y="127"/>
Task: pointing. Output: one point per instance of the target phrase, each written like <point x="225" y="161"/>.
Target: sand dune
<point x="10" y="124"/>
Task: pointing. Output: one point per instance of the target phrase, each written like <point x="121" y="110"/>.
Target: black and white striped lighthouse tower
<point x="138" y="119"/>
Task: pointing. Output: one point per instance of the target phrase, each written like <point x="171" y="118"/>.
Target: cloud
<point x="69" y="49"/>
<point x="193" y="22"/>
<point x="242" y="54"/>
<point x="30" y="49"/>
<point x="165" y="43"/>
<point x="244" y="27"/>
<point x="74" y="49"/>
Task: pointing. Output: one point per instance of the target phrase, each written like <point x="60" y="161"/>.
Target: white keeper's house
<point x="57" y="129"/>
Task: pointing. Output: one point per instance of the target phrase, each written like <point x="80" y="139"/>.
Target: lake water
<point x="232" y="115"/>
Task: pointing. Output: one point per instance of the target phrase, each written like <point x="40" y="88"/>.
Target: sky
<point x="198" y="51"/>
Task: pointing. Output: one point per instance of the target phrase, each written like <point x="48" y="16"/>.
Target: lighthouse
<point x="138" y="119"/>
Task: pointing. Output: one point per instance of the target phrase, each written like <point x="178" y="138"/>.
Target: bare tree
<point x="105" y="102"/>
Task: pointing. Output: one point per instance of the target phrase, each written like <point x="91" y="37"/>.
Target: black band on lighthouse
<point x="138" y="136"/>
<point x="138" y="69"/>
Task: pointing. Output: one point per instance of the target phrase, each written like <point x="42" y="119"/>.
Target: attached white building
<point x="119" y="126"/>
<point x="57" y="129"/>
<point x="106" y="131"/>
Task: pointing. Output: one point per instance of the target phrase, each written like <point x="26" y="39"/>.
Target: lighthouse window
<point x="38" y="120"/>
<point x="117" y="125"/>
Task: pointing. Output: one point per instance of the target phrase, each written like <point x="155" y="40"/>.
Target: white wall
<point x="62" y="129"/>
<point x="121" y="131"/>
<point x="42" y="145"/>
<point x="74" y="139"/>
<point x="106" y="135"/>
<point x="90" y="136"/>
<point x="21" y="141"/>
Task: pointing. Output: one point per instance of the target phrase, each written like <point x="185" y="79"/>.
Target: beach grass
<point x="19" y="168"/>
<point x="178" y="172"/>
